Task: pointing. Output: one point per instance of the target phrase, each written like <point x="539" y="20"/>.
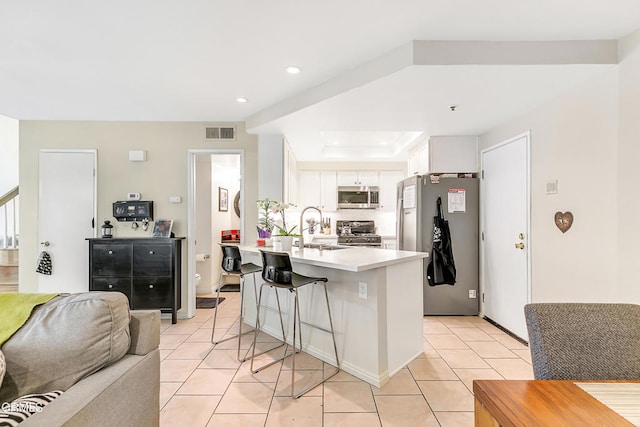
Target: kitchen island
<point x="376" y="304"/>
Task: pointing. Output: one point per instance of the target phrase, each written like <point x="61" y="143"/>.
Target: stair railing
<point x="9" y="234"/>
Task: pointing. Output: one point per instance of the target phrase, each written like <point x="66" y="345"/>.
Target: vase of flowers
<point x="285" y="234"/>
<point x="265" y="220"/>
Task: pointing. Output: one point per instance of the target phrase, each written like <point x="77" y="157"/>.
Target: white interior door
<point x="66" y="213"/>
<point x="505" y="218"/>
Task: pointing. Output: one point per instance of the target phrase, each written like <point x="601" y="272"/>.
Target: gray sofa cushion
<point x="65" y="340"/>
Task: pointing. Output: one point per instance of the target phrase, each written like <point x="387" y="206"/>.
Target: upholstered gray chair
<point x="584" y="341"/>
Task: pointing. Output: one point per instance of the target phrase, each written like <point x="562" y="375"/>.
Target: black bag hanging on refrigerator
<point x="441" y="269"/>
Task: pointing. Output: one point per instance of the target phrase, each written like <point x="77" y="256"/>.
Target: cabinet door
<point x="112" y="284"/>
<point x="388" y="189"/>
<point x="151" y="292"/>
<point x="423" y="160"/>
<point x="111" y="259"/>
<point x="389" y="244"/>
<point x="368" y="178"/>
<point x="328" y="190"/>
<point x="413" y="167"/>
<point x="347" y="178"/>
<point x="453" y="154"/>
<point x="310" y="188"/>
<point x="152" y="259"/>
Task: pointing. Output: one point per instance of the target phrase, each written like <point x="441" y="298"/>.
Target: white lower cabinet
<point x="388" y="243"/>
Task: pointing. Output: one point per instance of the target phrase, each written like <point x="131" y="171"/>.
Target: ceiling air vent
<point x="221" y="133"/>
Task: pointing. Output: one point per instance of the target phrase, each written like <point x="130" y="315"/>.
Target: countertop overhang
<point x="348" y="259"/>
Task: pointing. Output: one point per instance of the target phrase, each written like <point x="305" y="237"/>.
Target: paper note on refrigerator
<point x="409" y="197"/>
<point x="457" y="200"/>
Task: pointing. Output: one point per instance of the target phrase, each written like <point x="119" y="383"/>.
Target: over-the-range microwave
<point x="357" y="197"/>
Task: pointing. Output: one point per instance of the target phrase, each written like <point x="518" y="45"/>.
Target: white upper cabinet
<point x="309" y="186"/>
<point x="361" y="178"/>
<point x="388" y="189"/>
<point x="328" y="191"/>
<point x="317" y="188"/>
<point x="290" y="177"/>
<point x="451" y="154"/>
<point x="418" y="163"/>
<point x="444" y="154"/>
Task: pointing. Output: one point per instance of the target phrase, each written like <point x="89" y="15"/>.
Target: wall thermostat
<point x="133" y="196"/>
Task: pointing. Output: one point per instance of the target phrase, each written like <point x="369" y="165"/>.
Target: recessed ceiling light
<point x="241" y="99"/>
<point x="293" y="69"/>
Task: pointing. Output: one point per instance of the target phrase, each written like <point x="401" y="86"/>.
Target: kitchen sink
<point x="325" y="247"/>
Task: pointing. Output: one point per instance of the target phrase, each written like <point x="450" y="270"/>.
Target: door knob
<point x="519" y="245"/>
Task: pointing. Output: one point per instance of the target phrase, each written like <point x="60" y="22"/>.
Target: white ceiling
<point x="190" y="60"/>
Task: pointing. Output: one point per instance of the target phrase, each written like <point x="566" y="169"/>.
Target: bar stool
<point x="232" y="265"/>
<point x="277" y="272"/>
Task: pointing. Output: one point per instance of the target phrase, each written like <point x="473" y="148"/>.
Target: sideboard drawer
<point x="152" y="259"/>
<point x="152" y="292"/>
<point x="111" y="259"/>
<point x="119" y="284"/>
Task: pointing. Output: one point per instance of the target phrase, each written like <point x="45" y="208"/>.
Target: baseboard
<point x="204" y="290"/>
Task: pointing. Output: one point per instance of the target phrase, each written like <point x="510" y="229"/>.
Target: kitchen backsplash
<point x="385" y="221"/>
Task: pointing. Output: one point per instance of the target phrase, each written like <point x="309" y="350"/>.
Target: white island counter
<point x="376" y="305"/>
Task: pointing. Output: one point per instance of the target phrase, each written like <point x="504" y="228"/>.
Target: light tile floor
<point x="203" y="385"/>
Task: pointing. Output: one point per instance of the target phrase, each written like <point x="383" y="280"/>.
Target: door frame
<point x="191" y="215"/>
<point x="529" y="239"/>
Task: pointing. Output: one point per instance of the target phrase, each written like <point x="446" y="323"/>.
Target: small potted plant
<point x="265" y="221"/>
<point x="285" y="234"/>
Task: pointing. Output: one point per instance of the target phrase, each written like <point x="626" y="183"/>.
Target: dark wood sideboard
<point x="147" y="270"/>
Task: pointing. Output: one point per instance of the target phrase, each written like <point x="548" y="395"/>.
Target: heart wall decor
<point x="563" y="220"/>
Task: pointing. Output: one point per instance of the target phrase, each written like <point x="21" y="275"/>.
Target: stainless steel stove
<point x="358" y="233"/>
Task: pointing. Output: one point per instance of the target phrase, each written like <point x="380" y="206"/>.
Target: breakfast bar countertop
<point x="347" y="258"/>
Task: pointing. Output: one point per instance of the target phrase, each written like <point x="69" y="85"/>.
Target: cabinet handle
<point x="110" y="252"/>
<point x="151" y="252"/>
<point x="150" y="286"/>
<point x="110" y="286"/>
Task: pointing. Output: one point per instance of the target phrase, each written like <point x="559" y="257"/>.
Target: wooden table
<point x="540" y="403"/>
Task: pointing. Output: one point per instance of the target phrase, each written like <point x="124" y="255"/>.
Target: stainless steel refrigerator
<point x="416" y="207"/>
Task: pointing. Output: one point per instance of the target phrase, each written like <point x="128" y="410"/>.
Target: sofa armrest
<point x="145" y="331"/>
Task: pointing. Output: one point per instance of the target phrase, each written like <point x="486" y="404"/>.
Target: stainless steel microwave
<point x="358" y="197"/>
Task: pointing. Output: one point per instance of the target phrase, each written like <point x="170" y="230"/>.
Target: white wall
<point x="164" y="174"/>
<point x="203" y="221"/>
<point x="629" y="159"/>
<point x="574" y="139"/>
<point x="8" y="154"/>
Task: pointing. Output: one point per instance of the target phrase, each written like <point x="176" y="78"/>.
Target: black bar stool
<point x="277" y="272"/>
<point x="232" y="265"/>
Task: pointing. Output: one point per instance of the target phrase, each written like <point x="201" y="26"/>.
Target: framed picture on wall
<point x="223" y="199"/>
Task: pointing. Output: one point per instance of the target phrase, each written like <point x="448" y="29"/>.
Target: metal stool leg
<point x="215" y="313"/>
<point x="257" y="331"/>
<point x="335" y="348"/>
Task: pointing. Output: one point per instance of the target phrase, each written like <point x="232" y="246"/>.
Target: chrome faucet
<point x="301" y="241"/>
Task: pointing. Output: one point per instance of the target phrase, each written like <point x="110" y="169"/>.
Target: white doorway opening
<point x="215" y="203"/>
